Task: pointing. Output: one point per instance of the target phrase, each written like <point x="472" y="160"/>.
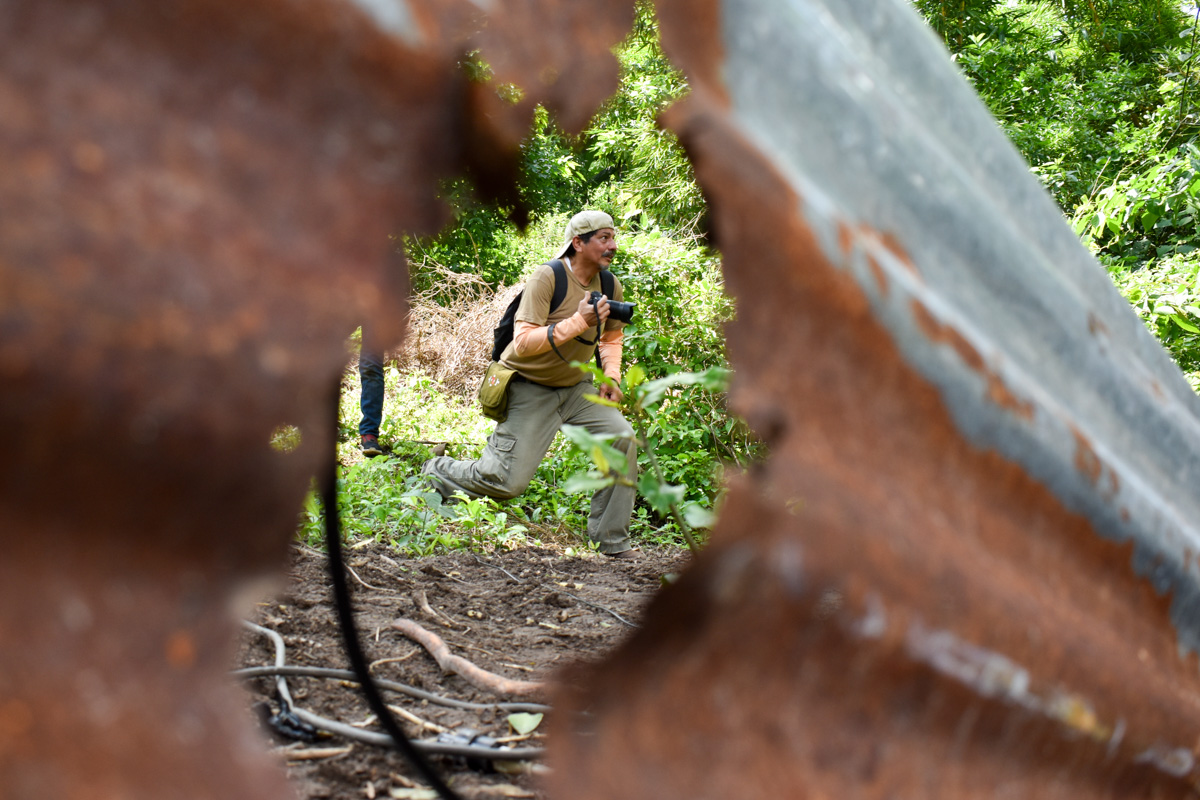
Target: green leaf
<point x="598" y="458"/>
<point x="713" y="379"/>
<point x="587" y="482"/>
<point x="524" y="723"/>
<point x="606" y="457"/>
<point x="698" y="516"/>
<point x="634" y="376"/>
<point x="1181" y="322"/>
<point x="660" y="496"/>
<point x="601" y="401"/>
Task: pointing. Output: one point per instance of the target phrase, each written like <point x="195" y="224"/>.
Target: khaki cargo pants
<point x="517" y="446"/>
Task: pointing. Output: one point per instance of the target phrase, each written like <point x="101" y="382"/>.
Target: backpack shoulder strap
<point x="560" y="283"/>
<point x="607" y="284"/>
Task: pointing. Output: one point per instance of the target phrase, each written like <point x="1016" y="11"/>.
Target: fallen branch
<point x="479" y="678"/>
<point x="317" y="753"/>
<point x="415" y="720"/>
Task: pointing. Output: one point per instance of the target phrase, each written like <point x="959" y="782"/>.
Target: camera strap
<point x="550" y="337"/>
<point x="580" y="339"/>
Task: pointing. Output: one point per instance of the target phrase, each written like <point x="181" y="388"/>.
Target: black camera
<point x="622" y="312"/>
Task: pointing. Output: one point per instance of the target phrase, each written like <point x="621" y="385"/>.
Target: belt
<point x="519" y="378"/>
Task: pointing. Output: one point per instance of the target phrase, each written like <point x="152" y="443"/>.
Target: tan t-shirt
<point x="547" y="368"/>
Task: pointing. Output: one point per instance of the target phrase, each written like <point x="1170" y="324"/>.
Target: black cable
<point x="411" y="691"/>
<point x="354" y="651"/>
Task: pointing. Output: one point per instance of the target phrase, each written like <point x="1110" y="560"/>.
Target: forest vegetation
<point x="1099" y="96"/>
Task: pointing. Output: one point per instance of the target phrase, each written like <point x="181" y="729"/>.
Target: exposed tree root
<point x="479" y="678"/>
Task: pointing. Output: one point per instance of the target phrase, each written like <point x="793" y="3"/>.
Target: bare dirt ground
<point x="521" y="614"/>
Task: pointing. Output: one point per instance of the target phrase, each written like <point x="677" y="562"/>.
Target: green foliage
<point x="622" y="163"/>
<point x="959" y="21"/>
<point x="1130" y="28"/>
<point x="682" y="305"/>
<point x="1166" y="296"/>
<point x="1148" y="215"/>
<point x="285" y="438"/>
<point x="414" y="410"/>
<point x="1076" y="113"/>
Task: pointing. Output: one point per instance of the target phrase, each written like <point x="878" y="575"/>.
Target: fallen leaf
<point x="524" y="723"/>
<point x="422" y="793"/>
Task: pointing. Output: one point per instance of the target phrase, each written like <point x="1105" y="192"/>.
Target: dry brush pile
<point x="451" y="341"/>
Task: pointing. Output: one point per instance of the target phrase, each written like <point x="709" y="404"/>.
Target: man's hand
<point x="607" y="392"/>
<point x="591" y="313"/>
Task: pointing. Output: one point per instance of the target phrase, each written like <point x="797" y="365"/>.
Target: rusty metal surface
<point x="197" y="205"/>
<point x="969" y="568"/>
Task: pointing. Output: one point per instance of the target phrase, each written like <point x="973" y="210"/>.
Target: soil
<point x="520" y="614"/>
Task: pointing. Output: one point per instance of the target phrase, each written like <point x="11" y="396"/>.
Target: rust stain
<point x="877" y="271"/>
<point x="1086" y="460"/>
<point x="16" y="721"/>
<point x="997" y="390"/>
<point x="894" y="247"/>
<point x="845" y="239"/>
<point x="848" y="237"/>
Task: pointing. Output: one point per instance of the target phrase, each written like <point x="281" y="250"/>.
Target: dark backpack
<point x="503" y="333"/>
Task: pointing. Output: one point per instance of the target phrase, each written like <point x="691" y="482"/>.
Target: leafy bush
<point x="1149" y="215"/>
<point x="622" y="163"/>
<point x="1166" y="296"/>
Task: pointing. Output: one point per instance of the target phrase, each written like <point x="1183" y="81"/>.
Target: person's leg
<point x="513" y="451"/>
<point x="608" y="522"/>
<point x="370" y="376"/>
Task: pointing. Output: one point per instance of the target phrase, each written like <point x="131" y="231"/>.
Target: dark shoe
<point x="438" y="449"/>
<point x="370" y="446"/>
<point x="625" y="555"/>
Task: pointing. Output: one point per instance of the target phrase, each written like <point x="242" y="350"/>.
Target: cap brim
<point x="564" y="250"/>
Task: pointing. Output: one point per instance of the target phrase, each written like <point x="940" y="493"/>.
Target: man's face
<point x="600" y="248"/>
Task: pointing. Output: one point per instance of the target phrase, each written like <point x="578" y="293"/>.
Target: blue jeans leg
<point x="370" y="375"/>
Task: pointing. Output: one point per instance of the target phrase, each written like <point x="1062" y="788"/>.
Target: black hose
<point x="354" y="651"/>
<point x="411" y="691"/>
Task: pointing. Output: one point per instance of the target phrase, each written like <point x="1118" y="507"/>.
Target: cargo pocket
<point x="495" y="466"/>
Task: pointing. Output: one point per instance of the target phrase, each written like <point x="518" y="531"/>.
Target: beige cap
<point x="584" y="222"/>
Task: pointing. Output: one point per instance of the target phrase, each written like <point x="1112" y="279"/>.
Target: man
<point x="547" y="392"/>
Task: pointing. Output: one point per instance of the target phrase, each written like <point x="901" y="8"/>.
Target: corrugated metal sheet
<point x="969" y="568"/>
